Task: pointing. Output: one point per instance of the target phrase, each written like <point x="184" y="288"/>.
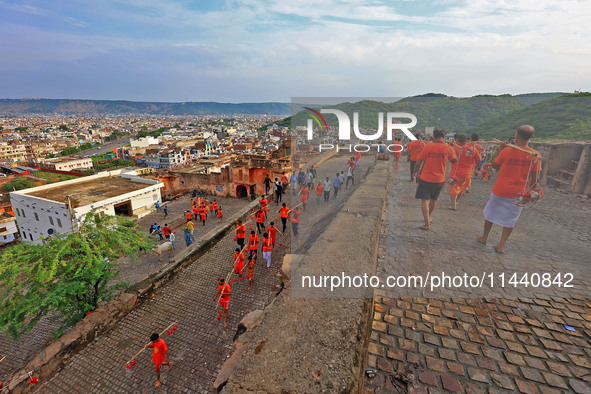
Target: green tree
<point x="64" y="127"/>
<point x="19" y="183"/>
<point x="67" y="275"/>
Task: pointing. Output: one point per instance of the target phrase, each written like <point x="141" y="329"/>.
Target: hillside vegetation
<point x="564" y="117"/>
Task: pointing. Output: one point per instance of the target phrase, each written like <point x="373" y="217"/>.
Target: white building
<point x="7" y="228"/>
<point x="43" y="211"/>
<point x="144" y="142"/>
<point x="63" y="163"/>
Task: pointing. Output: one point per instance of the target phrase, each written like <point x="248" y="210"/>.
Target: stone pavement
<point x="199" y="346"/>
<point x="31" y="343"/>
<point x="475" y="342"/>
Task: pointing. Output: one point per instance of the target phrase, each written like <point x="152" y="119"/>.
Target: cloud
<point x="241" y="50"/>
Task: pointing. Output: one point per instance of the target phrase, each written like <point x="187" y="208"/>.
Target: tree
<point x="64" y="127"/>
<point x="67" y="275"/>
<point x="19" y="183"/>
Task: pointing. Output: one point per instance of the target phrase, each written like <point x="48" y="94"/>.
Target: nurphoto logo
<point x="344" y="129"/>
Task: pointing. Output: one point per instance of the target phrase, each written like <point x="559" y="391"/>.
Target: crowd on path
<point x="517" y="182"/>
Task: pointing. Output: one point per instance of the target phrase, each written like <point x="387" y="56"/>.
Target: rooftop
<point x="91" y="191"/>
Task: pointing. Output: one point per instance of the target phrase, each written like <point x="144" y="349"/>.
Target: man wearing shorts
<point x="432" y="163"/>
<point x="224" y="293"/>
<point x="159" y="354"/>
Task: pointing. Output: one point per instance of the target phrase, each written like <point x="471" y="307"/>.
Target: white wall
<point x="32" y="227"/>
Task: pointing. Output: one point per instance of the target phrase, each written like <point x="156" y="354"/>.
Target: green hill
<point x="451" y="113"/>
<point x="564" y="117"/>
<point x="533" y="98"/>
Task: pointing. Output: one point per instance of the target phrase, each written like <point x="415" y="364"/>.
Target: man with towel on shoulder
<point x="513" y="178"/>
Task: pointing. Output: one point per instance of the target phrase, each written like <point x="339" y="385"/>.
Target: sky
<point x="272" y="50"/>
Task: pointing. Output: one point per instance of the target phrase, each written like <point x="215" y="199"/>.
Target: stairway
<point x="563" y="179"/>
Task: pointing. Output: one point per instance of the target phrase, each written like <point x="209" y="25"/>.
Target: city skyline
<point x="254" y="51"/>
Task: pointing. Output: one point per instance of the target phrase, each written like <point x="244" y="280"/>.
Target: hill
<point x="120" y="107"/>
<point x="451" y="113"/>
<point x="533" y="98"/>
<point x="564" y="117"/>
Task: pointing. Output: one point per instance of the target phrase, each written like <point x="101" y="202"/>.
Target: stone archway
<point x="241" y="191"/>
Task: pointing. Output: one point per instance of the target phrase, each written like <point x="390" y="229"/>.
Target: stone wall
<point x="312" y="345"/>
<point x="105" y="317"/>
<point x="566" y="166"/>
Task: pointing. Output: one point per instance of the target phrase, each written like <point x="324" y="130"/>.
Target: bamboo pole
<point x="534" y="154"/>
<point x="140" y="352"/>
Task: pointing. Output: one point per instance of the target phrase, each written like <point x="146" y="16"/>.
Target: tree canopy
<point x="67" y="275"/>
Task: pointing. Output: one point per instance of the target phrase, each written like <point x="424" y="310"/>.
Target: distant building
<point x="64" y="163"/>
<point x="43" y="211"/>
<point x="8" y="228"/>
<point x="143" y="142"/>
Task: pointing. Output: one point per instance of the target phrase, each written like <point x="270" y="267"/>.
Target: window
<point x="51" y="220"/>
<point x="36" y="216"/>
<point x="23" y="213"/>
<point x="59" y="222"/>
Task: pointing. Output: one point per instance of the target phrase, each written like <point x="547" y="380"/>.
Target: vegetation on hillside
<point x="564" y="117"/>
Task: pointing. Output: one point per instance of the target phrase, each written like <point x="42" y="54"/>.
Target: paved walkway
<point x="201" y="344"/>
<point x="474" y="342"/>
<point x="31" y="343"/>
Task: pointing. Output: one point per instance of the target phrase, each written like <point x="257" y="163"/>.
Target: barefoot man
<point x="224" y="292"/>
<point x="432" y="163"/>
<point x="515" y="165"/>
<point x="159" y="354"/>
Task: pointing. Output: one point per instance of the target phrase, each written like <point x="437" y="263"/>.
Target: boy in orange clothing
<point x="224" y="292"/>
<point x="272" y="230"/>
<point x="319" y="189"/>
<point x="159" y="355"/>
<point x="220" y="214"/>
<point x="461" y="171"/>
<point x="518" y="173"/>
<point x="284" y="211"/>
<point x="250" y="270"/>
<point x="260" y="219"/>
<point x="253" y="243"/>
<point x="238" y="262"/>
<point x="305" y="192"/>
<point x="432" y="163"/>
<point x="240" y="233"/>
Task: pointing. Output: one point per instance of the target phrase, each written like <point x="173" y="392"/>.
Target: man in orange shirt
<point x="432" y="163"/>
<point x="220" y="214"/>
<point x="253" y="243"/>
<point x="250" y="270"/>
<point x="305" y="192"/>
<point x="461" y="172"/>
<point x="224" y="292"/>
<point x="267" y="249"/>
<point x="517" y="174"/>
<point x="203" y="213"/>
<point x="413" y="149"/>
<point x="240" y="233"/>
<point x="295" y="221"/>
<point x="272" y="230"/>
<point x="284" y="211"/>
<point x="238" y="262"/>
<point x="260" y="219"/>
<point x="159" y="354"/>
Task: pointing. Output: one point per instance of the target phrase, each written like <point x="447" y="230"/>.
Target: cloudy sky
<point x="272" y="50"/>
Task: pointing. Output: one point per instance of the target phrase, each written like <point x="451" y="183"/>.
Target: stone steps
<point x="559" y="183"/>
